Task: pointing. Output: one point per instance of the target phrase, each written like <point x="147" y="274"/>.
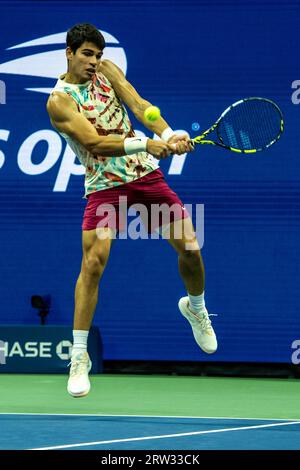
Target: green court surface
<point x="154" y="396"/>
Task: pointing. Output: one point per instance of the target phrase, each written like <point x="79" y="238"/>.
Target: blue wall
<point x="199" y="58"/>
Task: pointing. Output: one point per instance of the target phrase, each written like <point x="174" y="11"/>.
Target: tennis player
<point x="86" y="107"/>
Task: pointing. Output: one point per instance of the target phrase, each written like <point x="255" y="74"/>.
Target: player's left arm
<point x="138" y="105"/>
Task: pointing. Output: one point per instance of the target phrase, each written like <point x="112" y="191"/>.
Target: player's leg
<point x="162" y="203"/>
<point x="182" y="237"/>
<point x="95" y="255"/>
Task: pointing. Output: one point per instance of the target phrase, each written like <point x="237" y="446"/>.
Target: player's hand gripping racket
<point x="247" y="126"/>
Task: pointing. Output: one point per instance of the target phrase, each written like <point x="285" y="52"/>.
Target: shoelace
<point x="77" y="367"/>
<point x="205" y="323"/>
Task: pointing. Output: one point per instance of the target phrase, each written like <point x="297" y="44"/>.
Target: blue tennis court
<point x="90" y="432"/>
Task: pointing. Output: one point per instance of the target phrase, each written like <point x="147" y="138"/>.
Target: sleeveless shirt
<point x="97" y="101"/>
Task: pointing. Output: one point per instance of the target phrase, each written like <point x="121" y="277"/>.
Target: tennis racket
<point x="247" y="126"/>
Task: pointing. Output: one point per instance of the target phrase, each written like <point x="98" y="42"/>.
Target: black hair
<point x="82" y="32"/>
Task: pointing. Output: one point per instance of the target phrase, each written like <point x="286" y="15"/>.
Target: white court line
<point x="150" y="416"/>
<point x="165" y="436"/>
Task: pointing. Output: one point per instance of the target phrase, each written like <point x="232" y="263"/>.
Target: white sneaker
<point x="78" y="383"/>
<point x="201" y="325"/>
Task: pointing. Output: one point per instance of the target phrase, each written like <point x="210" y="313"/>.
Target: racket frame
<point x="200" y="139"/>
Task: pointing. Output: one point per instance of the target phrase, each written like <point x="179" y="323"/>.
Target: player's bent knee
<point x="192" y="247"/>
<point x="189" y="248"/>
<point x="191" y="256"/>
<point x="93" y="265"/>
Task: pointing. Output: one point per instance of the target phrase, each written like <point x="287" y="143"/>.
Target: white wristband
<point x="135" y="144"/>
<point x="167" y="134"/>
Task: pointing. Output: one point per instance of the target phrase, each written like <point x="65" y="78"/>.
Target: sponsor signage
<point x="43" y="349"/>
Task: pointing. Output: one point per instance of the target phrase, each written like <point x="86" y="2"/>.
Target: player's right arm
<point x="66" y="118"/>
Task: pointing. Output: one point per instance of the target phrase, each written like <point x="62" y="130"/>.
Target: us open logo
<point x="49" y="65"/>
<point x="52" y="63"/>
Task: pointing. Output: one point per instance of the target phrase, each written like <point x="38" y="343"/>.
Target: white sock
<point x="80" y="341"/>
<point x="197" y="303"/>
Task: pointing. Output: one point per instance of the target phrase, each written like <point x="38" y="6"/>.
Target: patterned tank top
<point x="97" y="101"/>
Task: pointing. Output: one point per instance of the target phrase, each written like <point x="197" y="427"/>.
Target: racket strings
<point x="252" y="124"/>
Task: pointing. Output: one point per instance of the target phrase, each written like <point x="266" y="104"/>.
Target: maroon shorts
<point x="108" y="208"/>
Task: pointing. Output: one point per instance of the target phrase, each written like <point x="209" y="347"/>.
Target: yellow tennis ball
<point x="152" y="113"/>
